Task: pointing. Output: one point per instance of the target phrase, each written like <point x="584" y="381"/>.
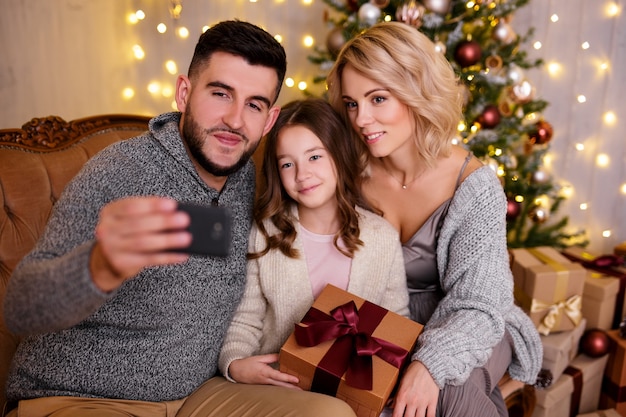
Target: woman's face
<point x="383" y="122"/>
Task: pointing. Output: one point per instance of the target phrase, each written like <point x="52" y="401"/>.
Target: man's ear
<point x="183" y="91"/>
<point x="271" y="118"/>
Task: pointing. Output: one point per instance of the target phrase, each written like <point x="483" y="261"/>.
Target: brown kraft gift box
<point x="599" y="297"/>
<point x="587" y="374"/>
<point x="577" y="390"/>
<point x="317" y="365"/>
<point x="608" y="265"/>
<point x="614" y="381"/>
<point x="559" y="349"/>
<point x="548" y="287"/>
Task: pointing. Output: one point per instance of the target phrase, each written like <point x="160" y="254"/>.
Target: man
<point x="117" y="322"/>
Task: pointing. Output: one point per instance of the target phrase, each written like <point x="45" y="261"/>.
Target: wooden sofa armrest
<point x="36" y="162"/>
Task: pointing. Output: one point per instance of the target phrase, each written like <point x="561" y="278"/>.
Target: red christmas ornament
<point x="353" y="4"/>
<point x="542" y="134"/>
<point x="468" y="53"/>
<point x="513" y="209"/>
<point x="595" y="343"/>
<point x="490" y="117"/>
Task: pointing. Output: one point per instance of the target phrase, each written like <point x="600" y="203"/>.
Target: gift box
<point x="559" y="349"/>
<point x="587" y="374"/>
<point x="611" y="412"/>
<point x="599" y="298"/>
<point x="610" y="265"/>
<point x="548" y="287"/>
<point x="614" y="382"/>
<point x="345" y="343"/>
<point x="554" y="401"/>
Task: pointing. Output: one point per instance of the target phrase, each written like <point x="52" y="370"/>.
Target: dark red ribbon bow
<point x="352" y="351"/>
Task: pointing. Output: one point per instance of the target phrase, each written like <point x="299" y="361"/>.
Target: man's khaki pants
<point x="215" y="398"/>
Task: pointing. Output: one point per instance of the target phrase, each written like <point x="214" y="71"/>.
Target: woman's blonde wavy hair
<point x="405" y="61"/>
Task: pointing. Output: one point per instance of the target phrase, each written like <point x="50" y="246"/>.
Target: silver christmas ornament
<point x="437" y="6"/>
<point x="369" y="14"/>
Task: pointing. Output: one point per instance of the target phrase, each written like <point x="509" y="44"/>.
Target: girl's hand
<point x="257" y="370"/>
<point x="417" y="394"/>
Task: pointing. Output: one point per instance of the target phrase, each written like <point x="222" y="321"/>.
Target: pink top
<point x="325" y="264"/>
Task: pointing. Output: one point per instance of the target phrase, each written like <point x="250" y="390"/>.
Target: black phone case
<point x="210" y="228"/>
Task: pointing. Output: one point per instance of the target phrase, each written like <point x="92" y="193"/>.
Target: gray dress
<point x="479" y="396"/>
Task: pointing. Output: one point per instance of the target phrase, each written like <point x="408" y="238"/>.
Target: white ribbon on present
<point x="571" y="307"/>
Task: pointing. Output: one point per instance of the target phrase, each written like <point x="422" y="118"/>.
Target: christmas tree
<point x="503" y="123"/>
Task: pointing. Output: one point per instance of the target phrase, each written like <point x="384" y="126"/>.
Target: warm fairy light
<point x="138" y="52"/>
<point x="278" y="38"/>
<point x="613" y="10"/>
<point x="140" y="14"/>
<point x="182" y="32"/>
<point x="609" y="118"/>
<point x="537" y="45"/>
<point x="308" y="41"/>
<point x="554" y="69"/>
<point x="566" y="191"/>
<point x="132" y="18"/>
<point x="306" y="2"/>
<point x="302" y="85"/>
<point x="585" y="45"/>
<point x="602" y="160"/>
<point x="542" y="201"/>
<point x="547" y="160"/>
<point x="167" y="91"/>
<point x="554" y="18"/>
<point x="174" y="105"/>
<point x="289" y="82"/>
<point x="622" y="189"/>
<point x="171" y="67"/>
<point x="128" y="93"/>
<point x="519" y="198"/>
<point x="581" y="98"/>
<point x="580" y="146"/>
<point x="583" y="206"/>
<point x="603" y="66"/>
<point x="154" y="87"/>
<point x="500" y="172"/>
<point x="497" y="152"/>
<point x="606" y="233"/>
<point x="161" y="28"/>
<point x="205" y="28"/>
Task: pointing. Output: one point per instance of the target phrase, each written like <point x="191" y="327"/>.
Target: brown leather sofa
<point x="38" y="160"/>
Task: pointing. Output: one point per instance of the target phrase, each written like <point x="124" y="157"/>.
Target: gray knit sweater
<point x="476" y="279"/>
<point x="157" y="337"/>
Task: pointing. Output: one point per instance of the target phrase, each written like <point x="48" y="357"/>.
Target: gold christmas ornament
<point x="493" y="63"/>
<point x="335" y="41"/>
<point x="504" y="33"/>
<point x="523" y="92"/>
<point x="381" y="4"/>
<point x="539" y="214"/>
<point x="411" y="13"/>
<point x="540" y="177"/>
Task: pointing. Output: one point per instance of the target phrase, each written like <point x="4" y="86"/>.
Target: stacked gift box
<point x="556" y="292"/>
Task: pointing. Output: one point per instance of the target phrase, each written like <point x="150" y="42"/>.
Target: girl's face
<point x="306" y="169"/>
<point x="383" y="122"/>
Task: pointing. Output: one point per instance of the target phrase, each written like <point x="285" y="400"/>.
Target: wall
<point x="75" y="58"/>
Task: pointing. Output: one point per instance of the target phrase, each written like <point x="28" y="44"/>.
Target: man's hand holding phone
<point x="137" y="232"/>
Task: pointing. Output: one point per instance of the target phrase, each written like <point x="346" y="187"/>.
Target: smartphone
<point x="210" y="229"/>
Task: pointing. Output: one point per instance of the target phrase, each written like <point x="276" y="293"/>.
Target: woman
<point x="404" y="102"/>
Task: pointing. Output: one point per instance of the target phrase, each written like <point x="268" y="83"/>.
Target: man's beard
<point x="195" y="137"/>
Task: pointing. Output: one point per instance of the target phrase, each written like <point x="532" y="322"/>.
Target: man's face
<point x="226" y="110"/>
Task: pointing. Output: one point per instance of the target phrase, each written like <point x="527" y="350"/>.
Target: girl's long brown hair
<point x="274" y="203"/>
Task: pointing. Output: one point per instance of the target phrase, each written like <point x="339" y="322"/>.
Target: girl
<point x="309" y="230"/>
